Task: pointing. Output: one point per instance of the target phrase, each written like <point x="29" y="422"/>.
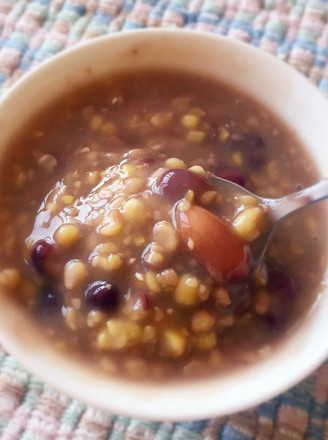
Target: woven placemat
<point x="296" y="31"/>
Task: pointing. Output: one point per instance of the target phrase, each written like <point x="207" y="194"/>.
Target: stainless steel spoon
<point x="277" y="209"/>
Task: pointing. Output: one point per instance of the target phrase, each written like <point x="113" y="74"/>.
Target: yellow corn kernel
<point x="222" y="296"/>
<point x="248" y="201"/>
<point x="118" y="334"/>
<point x="74" y="319"/>
<point x="66" y="235"/>
<point x="133" y="185"/>
<point x="134" y="211"/>
<point x="174" y="162"/>
<point x="190" y="122"/>
<point x="174" y="342"/>
<point x="128" y="170"/>
<point x="96" y="122"/>
<point x="187" y="290"/>
<point x="93" y="177"/>
<point x="249" y="223"/>
<point x="114" y="224"/>
<point x="208" y="197"/>
<point x="151" y="282"/>
<point x="196" y="136"/>
<point x="75" y="274"/>
<point x="238" y="159"/>
<point x="109" y="128"/>
<point x="190" y="196"/>
<point x="107" y="248"/>
<point x="162" y="119"/>
<point x="202" y="321"/>
<point x="10" y="278"/>
<point x="167" y="279"/>
<point x="139" y="240"/>
<point x="149" y="333"/>
<point x="166" y="236"/>
<point x="108" y="264"/>
<point x="68" y="200"/>
<point x="197" y="169"/>
<point x="115" y="262"/>
<point x="181" y="104"/>
<point x="197" y="111"/>
<point x="263" y="302"/>
<point x="206" y="341"/>
<point x="222" y="134"/>
<point x="95" y="318"/>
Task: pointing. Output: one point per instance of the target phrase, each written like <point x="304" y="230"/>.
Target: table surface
<point x="31" y="31"/>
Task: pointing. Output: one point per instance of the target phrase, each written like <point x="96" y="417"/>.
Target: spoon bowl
<point x="277" y="210"/>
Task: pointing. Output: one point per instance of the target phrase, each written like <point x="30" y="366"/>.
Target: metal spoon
<point x="277" y="209"/>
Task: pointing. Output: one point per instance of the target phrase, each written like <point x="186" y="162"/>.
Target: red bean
<point x="233" y="176"/>
<point x="40" y="253"/>
<point x="175" y="183"/>
<point x="102" y="295"/>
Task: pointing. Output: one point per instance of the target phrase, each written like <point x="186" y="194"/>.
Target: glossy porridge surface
<point x="115" y="241"/>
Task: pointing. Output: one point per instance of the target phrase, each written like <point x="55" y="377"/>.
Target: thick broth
<point x="91" y="242"/>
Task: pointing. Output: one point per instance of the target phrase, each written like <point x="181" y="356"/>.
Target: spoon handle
<point x="283" y="207"/>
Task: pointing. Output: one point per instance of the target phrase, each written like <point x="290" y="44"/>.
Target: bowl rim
<point x="128" y="406"/>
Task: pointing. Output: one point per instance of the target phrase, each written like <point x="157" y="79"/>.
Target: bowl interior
<point x="274" y="85"/>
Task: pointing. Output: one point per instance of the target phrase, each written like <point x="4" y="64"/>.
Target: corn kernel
<point x="206" y="341"/>
<point x="174" y="342"/>
<point x="208" y="197"/>
<point x="75" y="274"/>
<point x="128" y="170"/>
<point x="162" y="119"/>
<point x="68" y="200"/>
<point x="109" y="128"/>
<point x="133" y="185"/>
<point x="10" y="278"/>
<point x="197" y="169"/>
<point x="139" y="240"/>
<point x="96" y="122"/>
<point x="248" y="201"/>
<point x="263" y="302"/>
<point x="67" y="235"/>
<point x="95" y="318"/>
<point x="133" y="211"/>
<point x="107" y="248"/>
<point x="222" y="134"/>
<point x="249" y="223"/>
<point x="115" y="262"/>
<point x="149" y="333"/>
<point x="74" y="319"/>
<point x="190" y="122"/>
<point x="151" y="282"/>
<point x="187" y="290"/>
<point x="174" y="162"/>
<point x="238" y="159"/>
<point x="51" y="207"/>
<point x="113" y="224"/>
<point x="93" y="177"/>
<point x="196" y="136"/>
<point x="167" y="279"/>
<point x="118" y="334"/>
<point x="222" y="296"/>
<point x="166" y="236"/>
<point x="196" y="111"/>
<point x="202" y="321"/>
<point x="108" y="264"/>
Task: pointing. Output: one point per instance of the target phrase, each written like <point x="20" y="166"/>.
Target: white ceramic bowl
<point x="275" y="85"/>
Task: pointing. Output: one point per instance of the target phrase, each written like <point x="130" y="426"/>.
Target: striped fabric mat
<point x="31" y="31"/>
